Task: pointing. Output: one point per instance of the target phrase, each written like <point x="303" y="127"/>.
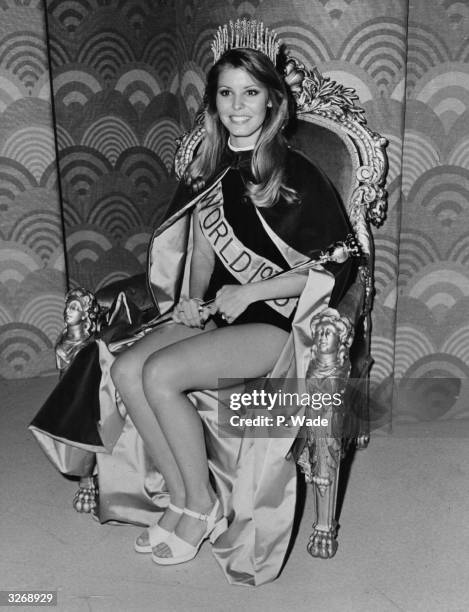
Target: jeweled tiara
<point x="246" y="33"/>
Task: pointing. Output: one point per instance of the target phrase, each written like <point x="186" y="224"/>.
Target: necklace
<point x="235" y="149"/>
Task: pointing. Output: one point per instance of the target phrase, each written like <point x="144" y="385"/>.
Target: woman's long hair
<point x="268" y="159"/>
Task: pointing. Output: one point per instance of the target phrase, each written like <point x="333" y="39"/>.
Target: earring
<point x="269" y="104"/>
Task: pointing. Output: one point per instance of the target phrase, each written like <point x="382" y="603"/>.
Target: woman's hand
<point x="232" y="300"/>
<point x="190" y="312"/>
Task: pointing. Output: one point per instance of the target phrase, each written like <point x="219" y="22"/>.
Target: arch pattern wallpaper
<point x="128" y="77"/>
<point x="32" y="279"/>
<point x="116" y="84"/>
<point x="432" y="331"/>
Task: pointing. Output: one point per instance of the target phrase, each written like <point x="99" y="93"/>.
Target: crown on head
<point x="246" y="33"/>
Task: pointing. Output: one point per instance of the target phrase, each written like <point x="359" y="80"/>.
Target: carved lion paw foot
<point x="86" y="497"/>
<point x="322" y="544"/>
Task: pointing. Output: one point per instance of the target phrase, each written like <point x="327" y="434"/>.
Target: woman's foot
<point x="160" y="531"/>
<point x="193" y="528"/>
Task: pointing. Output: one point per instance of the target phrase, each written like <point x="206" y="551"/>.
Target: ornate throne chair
<point x="331" y="130"/>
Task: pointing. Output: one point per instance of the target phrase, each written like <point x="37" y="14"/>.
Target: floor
<point x="404" y="537"/>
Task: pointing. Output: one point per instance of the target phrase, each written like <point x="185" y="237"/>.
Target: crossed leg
<point x="126" y="373"/>
<point x="195" y="363"/>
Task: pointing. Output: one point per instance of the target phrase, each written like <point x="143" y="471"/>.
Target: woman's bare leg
<point x="126" y="373"/>
<point x="241" y="351"/>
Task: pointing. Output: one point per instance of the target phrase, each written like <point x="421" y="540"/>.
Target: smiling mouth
<point x="239" y="118"/>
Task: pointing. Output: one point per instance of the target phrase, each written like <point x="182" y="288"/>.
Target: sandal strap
<point x="177" y="544"/>
<point x="196" y="515"/>
<point x="156" y="535"/>
<point x="175" y="509"/>
<point x="207" y="517"/>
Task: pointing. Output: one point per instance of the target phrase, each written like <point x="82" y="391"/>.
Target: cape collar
<point x="238" y="160"/>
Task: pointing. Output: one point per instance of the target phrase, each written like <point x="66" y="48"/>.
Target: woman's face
<point x="241" y="104"/>
<point x="74" y="312"/>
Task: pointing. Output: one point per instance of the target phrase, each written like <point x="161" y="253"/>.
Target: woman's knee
<point x="125" y="369"/>
<point x="161" y="376"/>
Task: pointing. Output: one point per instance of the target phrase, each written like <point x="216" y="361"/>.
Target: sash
<point x="245" y="265"/>
<point x="169" y="247"/>
<point x="291" y="256"/>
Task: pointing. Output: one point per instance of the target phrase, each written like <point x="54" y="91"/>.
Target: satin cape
<point x="254" y="477"/>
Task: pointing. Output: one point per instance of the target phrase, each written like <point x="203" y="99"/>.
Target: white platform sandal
<point x="156" y="534"/>
<point x="182" y="551"/>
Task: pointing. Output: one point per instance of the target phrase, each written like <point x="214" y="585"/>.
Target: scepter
<point x="337" y="252"/>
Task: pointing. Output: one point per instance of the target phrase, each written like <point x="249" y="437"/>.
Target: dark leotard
<point x="241" y="215"/>
<point x="313" y="224"/>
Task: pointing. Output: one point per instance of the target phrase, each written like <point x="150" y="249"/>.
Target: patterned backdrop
<point x="32" y="280"/>
<point x="128" y="77"/>
<point x="432" y="336"/>
<point x="115" y="83"/>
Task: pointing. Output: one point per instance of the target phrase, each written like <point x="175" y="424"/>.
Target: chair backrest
<point x="331" y="152"/>
<point x="341" y="144"/>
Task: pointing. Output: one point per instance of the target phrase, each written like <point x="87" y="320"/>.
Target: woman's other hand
<point x="190" y="312"/>
<point x="232" y="300"/>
